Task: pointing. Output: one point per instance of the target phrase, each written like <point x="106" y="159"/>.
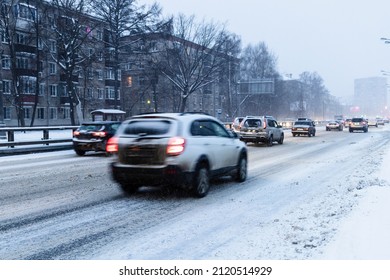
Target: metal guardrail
<point x="45" y="140"/>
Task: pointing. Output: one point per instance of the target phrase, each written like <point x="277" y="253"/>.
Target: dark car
<point x="358" y="124"/>
<point x="303" y="127"/>
<point x="93" y="136"/>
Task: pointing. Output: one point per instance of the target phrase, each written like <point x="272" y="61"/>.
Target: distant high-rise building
<point x="370" y="97"/>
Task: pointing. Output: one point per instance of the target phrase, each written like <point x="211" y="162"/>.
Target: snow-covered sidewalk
<point x="364" y="235"/>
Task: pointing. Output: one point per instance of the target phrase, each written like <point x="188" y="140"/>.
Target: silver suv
<point x="182" y="150"/>
<point x="263" y="129"/>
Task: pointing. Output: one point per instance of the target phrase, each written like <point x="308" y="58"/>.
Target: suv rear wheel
<point x="201" y="183"/>
<point x="281" y="139"/>
<point x="270" y="140"/>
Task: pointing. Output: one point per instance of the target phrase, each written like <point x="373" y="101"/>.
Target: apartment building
<point x="33" y="76"/>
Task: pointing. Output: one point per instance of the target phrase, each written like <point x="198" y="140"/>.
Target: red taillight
<point x="76" y="133"/>
<point x="112" y="145"/>
<point x="175" y="146"/>
<point x="99" y="134"/>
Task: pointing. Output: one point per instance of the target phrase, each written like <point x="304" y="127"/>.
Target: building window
<point x="7" y="113"/>
<point x="99" y="35"/>
<point x="6" y="86"/>
<point x="100" y="93"/>
<point x="110" y="74"/>
<point x="53" y="46"/>
<point x="66" y="113"/>
<point x="90" y="93"/>
<point x="27" y="112"/>
<point x="22" y="63"/>
<point x="53" y="90"/>
<point x="53" y="113"/>
<point x="4" y="38"/>
<point x="27" y="12"/>
<point x="5" y="62"/>
<point x="52" y="68"/>
<point x="41" y="89"/>
<point x="99" y="74"/>
<point x="21" y="39"/>
<point x="41" y="113"/>
<point x="110" y="93"/>
<point x="28" y="85"/>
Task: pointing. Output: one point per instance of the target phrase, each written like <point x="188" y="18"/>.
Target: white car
<point x="181" y="150"/>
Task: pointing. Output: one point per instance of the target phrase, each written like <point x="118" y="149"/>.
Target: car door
<point x="219" y="145"/>
<point x="273" y="126"/>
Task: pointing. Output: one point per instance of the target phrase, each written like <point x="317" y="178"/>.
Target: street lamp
<point x="386" y="40"/>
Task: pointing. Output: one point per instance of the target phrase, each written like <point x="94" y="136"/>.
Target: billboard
<point x="261" y="86"/>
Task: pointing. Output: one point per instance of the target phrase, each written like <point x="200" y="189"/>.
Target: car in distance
<point x="359" y="124"/>
<point x="93" y="136"/>
<point x="334" y="125"/>
<point x="372" y="122"/>
<point x="303" y="126"/>
<point x="261" y="129"/>
<point x="347" y="122"/>
<point x="175" y="150"/>
<point x="380" y="121"/>
<point x="236" y="124"/>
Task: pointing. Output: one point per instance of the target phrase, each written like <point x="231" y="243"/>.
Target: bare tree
<point x="122" y="17"/>
<point x="258" y="62"/>
<point x="72" y="30"/>
<point x="315" y="92"/>
<point x="193" y="55"/>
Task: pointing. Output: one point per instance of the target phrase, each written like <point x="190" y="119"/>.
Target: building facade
<point x="370" y="97"/>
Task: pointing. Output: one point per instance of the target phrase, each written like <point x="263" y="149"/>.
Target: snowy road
<point x="60" y="206"/>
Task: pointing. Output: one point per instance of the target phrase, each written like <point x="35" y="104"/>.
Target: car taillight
<point x="76" y="133"/>
<point x="99" y="134"/>
<point x="112" y="145"/>
<point x="175" y="146"/>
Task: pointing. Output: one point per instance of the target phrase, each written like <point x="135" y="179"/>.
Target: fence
<point x="29" y="136"/>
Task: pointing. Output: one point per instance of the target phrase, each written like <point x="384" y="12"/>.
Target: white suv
<point x="182" y="150"/>
<point x="263" y="129"/>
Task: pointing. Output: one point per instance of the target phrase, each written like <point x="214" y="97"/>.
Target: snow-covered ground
<point x="365" y="232"/>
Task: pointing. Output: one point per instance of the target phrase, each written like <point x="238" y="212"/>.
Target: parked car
<point x="334" y="125"/>
<point x="358" y="124"/>
<point x="261" y="129"/>
<point x="93" y="136"/>
<point x="175" y="150"/>
<point x="303" y="126"/>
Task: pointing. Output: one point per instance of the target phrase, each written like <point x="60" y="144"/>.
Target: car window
<point x="271" y="123"/>
<point x="91" y="127"/>
<point x="208" y="128"/>
<point x="252" y="123"/>
<point x="357" y="119"/>
<point x="148" y="127"/>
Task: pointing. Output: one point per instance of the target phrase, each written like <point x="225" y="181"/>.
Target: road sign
<point x="261" y="86"/>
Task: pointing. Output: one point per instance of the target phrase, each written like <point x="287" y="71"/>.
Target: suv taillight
<point x="112" y="145"/>
<point x="175" y="146"/>
<point x="76" y="133"/>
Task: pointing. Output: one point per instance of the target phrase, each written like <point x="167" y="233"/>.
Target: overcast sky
<point x="338" y="39"/>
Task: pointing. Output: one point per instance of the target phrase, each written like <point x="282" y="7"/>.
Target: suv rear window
<point x="252" y="123"/>
<point x="357" y="119"/>
<point x="149" y="127"/>
<point x="91" y="127"/>
<point x="302" y="123"/>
